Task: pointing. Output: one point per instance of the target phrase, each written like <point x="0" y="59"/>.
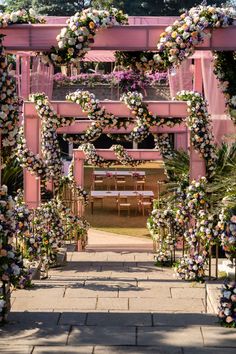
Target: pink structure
<point x="142" y="34"/>
<point x="79" y="157"/>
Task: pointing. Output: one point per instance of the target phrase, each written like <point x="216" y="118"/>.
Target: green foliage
<point x="12" y="176"/>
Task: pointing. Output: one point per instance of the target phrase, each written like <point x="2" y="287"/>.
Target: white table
<point x="119" y="173"/>
<point x="103" y="194"/>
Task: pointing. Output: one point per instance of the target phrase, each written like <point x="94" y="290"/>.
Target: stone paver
<point x="174" y="305"/>
<point x="102" y="335"/>
<point x="119" y="319"/>
<point x="219" y="336"/>
<point x="113" y="302"/>
<point x="170" y="336"/>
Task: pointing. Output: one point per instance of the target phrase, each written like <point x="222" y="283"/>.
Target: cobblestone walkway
<point x="113" y="301"/>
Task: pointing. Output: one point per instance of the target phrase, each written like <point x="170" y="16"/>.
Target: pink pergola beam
<point x="135" y="37"/>
<point x="67" y="109"/>
<point x="79" y="158"/>
<point x="80" y="126"/>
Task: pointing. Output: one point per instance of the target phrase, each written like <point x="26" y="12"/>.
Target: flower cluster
<point x="162" y="144"/>
<point x="224" y="64"/>
<point x="74" y="40"/>
<point x="191" y="267"/>
<point x="227" y="310"/>
<point x="92" y="158"/>
<point x="20" y="16"/>
<point x="124" y="158"/>
<point x="144" y="118"/>
<point x="178" y="41"/>
<point x="227" y="230"/>
<point x="207" y="228"/>
<point x="199" y="122"/>
<point x="98" y="114"/>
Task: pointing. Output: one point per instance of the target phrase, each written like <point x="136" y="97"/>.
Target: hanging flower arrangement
<point x="199" y="122"/>
<point x="137" y="61"/>
<point x="227" y="309"/>
<point x="92" y="158"/>
<point x="74" y="40"/>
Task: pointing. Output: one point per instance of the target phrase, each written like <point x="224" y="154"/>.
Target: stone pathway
<point x="113" y="301"/>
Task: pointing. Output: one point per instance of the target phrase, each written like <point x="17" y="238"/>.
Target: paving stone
<point x="145" y="293"/>
<point x="11" y="349"/>
<point x="112" y="304"/>
<point x="73" y="318"/>
<point x="52" y="291"/>
<point x="171" y="283"/>
<point x="50" y="303"/>
<point x="28" y="334"/>
<point x="34" y="317"/>
<point x="87" y="293"/>
<point x="183" y="319"/>
<point x="63" y="349"/>
<point x="208" y="351"/>
<point x="112" y="283"/>
<point x="119" y="319"/>
<point x="219" y="337"/>
<point x="188" y="293"/>
<point x="135" y="350"/>
<point x="93" y="335"/>
<point x="170" y="336"/>
<point x="175" y="305"/>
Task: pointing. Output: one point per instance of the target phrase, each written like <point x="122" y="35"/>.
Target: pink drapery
<point x="39" y="78"/>
<point x="181" y="78"/>
<point x="222" y="124"/>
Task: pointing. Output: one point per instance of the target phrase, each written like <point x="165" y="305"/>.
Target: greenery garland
<point x="74" y="40"/>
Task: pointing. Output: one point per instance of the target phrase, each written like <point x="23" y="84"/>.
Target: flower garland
<point x="224" y="65"/>
<point x="12" y="271"/>
<point x="137" y="61"/>
<point x="74" y="40"/>
<point x="70" y="181"/>
<point x="50" y="165"/>
<point x="199" y="123"/>
<point x="227" y="230"/>
<point x="98" y="114"/>
<point x="145" y="119"/>
<point x="178" y="41"/>
<point x="9" y="102"/>
<point x="92" y="158"/>
<point x="162" y="144"/>
<point x="227" y="309"/>
<point x="124" y="158"/>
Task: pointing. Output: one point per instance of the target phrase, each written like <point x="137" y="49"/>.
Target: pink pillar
<point x="32" y="191"/>
<point x="79" y="171"/>
<point x="25" y="76"/>
<point x="197" y="82"/>
<point x="181" y="141"/>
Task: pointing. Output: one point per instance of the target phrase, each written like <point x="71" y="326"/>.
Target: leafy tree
<point x="14" y="5"/>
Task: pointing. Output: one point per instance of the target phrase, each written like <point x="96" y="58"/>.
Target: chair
<point x="144" y="203"/>
<point x="120" y="181"/>
<point x="97" y="181"/>
<point x="92" y="201"/>
<point x="123" y="204"/>
<point x="139" y="183"/>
